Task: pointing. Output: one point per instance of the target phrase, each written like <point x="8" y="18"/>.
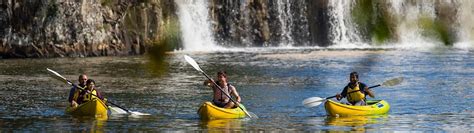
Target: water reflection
<point x="355" y="123"/>
<point x="272" y="84"/>
<point x="92" y="124"/>
<point x="221" y="125"/>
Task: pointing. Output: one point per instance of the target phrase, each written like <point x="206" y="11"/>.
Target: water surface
<point x="436" y="95"/>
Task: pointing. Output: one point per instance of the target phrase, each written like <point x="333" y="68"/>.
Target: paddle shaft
<point x="354" y="91"/>
<point x="82" y="89"/>
<point x="236" y="103"/>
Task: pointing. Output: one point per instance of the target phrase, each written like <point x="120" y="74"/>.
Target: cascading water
<point x="286" y="19"/>
<point x="343" y="31"/>
<point x="465" y="27"/>
<point x="408" y="17"/>
<point x="286" y="23"/>
<point x="195" y="25"/>
<point x="293" y="23"/>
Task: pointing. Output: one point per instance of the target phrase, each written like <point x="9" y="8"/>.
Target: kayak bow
<point x="373" y="107"/>
<point x="94" y="108"/>
<point x="211" y="111"/>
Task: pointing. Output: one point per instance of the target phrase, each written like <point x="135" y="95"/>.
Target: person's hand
<point x="338" y="97"/>
<point x="208" y="82"/>
<point x="74" y="104"/>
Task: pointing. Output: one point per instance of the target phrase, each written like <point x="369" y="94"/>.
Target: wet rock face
<point x="58" y="28"/>
<point x="259" y="23"/>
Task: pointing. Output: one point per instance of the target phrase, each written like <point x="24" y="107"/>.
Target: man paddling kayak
<point x="355" y="91"/>
<point x="82" y="83"/>
<point x="82" y="96"/>
<point x="220" y="99"/>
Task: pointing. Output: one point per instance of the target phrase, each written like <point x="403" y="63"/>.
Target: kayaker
<point x="86" y="95"/>
<point x="220" y="99"/>
<point x="82" y="83"/>
<point x="359" y="91"/>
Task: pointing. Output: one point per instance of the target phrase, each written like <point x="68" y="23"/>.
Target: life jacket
<point x="223" y="97"/>
<point x="355" y="96"/>
<point x="72" y="92"/>
<point x="85" y="97"/>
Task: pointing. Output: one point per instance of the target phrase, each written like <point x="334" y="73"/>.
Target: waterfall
<point x="293" y="23"/>
<point x="342" y="31"/>
<point x="287" y="23"/>
<point x="195" y="25"/>
<point x="465" y="26"/>
<point x="408" y="17"/>
<point x="286" y="19"/>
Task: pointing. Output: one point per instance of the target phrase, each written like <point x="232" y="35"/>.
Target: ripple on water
<point x="436" y="95"/>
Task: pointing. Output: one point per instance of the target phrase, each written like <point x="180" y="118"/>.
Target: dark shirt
<point x="71" y="92"/>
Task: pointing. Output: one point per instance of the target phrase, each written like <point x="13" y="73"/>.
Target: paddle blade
<point x="135" y="113"/>
<point x="58" y="76"/>
<point x="192" y="62"/>
<point x="313" y="101"/>
<point x="252" y="115"/>
<point x="393" y="82"/>
<point x="117" y="111"/>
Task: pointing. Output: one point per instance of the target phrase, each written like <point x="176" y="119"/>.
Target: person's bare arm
<point x="369" y="92"/>
<point x="236" y="94"/>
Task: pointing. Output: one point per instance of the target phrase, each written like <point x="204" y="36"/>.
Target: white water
<point x="286" y="19"/>
<point x="195" y="25"/>
<point x="343" y="29"/>
<point x="465" y="24"/>
<point x="408" y="34"/>
<point x="408" y="16"/>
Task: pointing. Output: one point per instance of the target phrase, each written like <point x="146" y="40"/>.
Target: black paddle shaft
<point x="355" y="91"/>
<point x="207" y="76"/>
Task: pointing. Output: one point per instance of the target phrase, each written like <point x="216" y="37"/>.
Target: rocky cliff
<point x="58" y="28"/>
<point x="79" y="28"/>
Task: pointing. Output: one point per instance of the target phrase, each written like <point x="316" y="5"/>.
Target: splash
<point x="195" y="25"/>
<point x="465" y="28"/>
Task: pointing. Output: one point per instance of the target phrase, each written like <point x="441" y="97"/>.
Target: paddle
<point x="315" y="101"/>
<point x="121" y="110"/>
<point x="196" y="66"/>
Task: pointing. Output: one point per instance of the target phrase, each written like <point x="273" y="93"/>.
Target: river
<point x="436" y="95"/>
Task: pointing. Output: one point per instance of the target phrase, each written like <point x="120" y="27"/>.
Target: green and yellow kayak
<point x="211" y="111"/>
<point x="373" y="107"/>
<point x="94" y="108"/>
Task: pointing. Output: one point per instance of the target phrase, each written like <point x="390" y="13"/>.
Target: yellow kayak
<point x="211" y="111"/>
<point x="373" y="107"/>
<point x="95" y="108"/>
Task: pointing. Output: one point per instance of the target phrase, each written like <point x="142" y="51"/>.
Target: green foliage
<point x="171" y="34"/>
<point x="362" y="13"/>
<point x="373" y="20"/>
<point x="381" y="30"/>
<point x="169" y="41"/>
<point x="52" y="10"/>
<point x="107" y="2"/>
<point x="436" y="29"/>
